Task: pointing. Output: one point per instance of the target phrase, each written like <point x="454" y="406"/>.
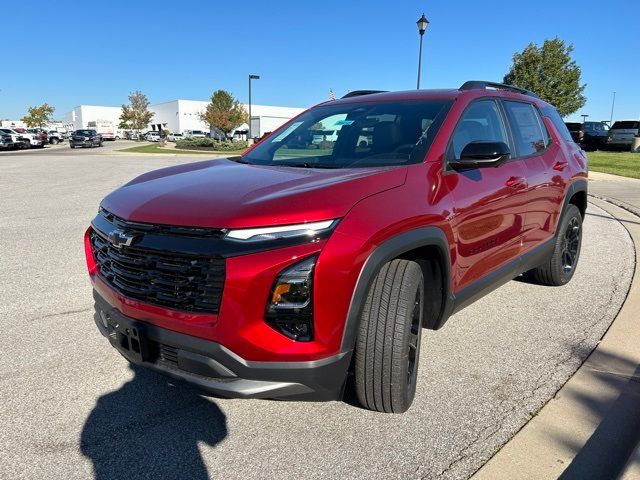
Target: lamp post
<point x="613" y="104"/>
<point x="584" y="117"/>
<point x="422" y="23"/>
<point x="251" y="77"/>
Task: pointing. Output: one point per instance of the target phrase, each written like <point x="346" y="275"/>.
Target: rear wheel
<point x="561" y="266"/>
<point x="54" y="141"/>
<point x="388" y="345"/>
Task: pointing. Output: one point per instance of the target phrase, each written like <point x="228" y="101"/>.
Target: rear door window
<point x="527" y="129"/>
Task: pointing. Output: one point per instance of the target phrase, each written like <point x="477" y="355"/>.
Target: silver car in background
<point x="621" y="134"/>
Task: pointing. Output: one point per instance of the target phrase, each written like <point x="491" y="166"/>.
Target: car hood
<point x="225" y="194"/>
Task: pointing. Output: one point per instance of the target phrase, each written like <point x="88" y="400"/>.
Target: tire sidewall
<point x="558" y="272"/>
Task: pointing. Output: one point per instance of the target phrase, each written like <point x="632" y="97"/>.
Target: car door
<point x="543" y="161"/>
<point x="489" y="203"/>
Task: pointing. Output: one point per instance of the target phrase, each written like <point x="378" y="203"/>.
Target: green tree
<point x="224" y="112"/>
<point x="38" y="116"/>
<point x="136" y="115"/>
<point x="551" y="73"/>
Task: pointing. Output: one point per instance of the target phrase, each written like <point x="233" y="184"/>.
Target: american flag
<point x="331" y="95"/>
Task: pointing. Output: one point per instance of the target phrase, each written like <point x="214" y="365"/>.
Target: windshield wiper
<point x="311" y="165"/>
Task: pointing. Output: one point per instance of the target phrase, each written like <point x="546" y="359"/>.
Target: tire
<point x="562" y="264"/>
<point x="72" y="145"/>
<point x="388" y="344"/>
<point x="100" y="144"/>
<point x="54" y="141"/>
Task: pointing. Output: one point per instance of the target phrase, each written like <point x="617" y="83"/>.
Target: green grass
<point x="157" y="149"/>
<point x="625" y="164"/>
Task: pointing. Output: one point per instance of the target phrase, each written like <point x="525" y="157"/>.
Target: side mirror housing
<point x="482" y="155"/>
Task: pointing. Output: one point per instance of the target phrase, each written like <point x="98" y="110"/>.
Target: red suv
<point x="320" y="254"/>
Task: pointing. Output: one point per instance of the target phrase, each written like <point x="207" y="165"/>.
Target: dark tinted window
<point x="625" y="125"/>
<point x="527" y="128"/>
<point x="346" y="135"/>
<point x="553" y="115"/>
<point x="597" y="127"/>
<point x="573" y="127"/>
<point x="481" y="122"/>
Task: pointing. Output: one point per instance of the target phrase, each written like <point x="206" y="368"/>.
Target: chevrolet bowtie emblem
<point x="120" y="238"/>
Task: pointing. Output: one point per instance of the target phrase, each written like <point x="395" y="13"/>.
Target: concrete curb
<point x="617" y="203"/>
<point x="592" y="426"/>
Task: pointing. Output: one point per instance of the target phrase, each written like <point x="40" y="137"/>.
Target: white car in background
<point x="152" y="137"/>
<point x="21" y="136"/>
<point x="194" y="134"/>
<point x="33" y="138"/>
<point x="174" y="137"/>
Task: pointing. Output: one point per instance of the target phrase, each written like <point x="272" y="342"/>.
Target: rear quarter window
<point x="553" y="115"/>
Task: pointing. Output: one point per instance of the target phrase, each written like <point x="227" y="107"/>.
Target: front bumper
<point x="215" y="369"/>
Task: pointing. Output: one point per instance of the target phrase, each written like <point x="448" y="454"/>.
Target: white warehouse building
<point x="180" y="115"/>
<point x="83" y="114"/>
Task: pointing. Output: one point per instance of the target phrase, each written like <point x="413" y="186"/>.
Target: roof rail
<point x="482" y="85"/>
<point x="359" y="93"/>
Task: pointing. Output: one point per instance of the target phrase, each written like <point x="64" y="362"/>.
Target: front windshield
<point x="83" y="132"/>
<point x="351" y="135"/>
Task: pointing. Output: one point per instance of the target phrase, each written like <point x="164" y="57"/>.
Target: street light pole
<point x="251" y="77"/>
<point x="613" y="104"/>
<point x="584" y="117"/>
<point x="422" y="23"/>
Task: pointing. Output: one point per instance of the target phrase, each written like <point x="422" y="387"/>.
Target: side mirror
<point x="482" y="155"/>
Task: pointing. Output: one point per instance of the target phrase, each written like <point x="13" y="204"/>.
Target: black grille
<point x="177" y="280"/>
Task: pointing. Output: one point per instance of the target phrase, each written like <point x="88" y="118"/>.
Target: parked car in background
<point x="216" y="134"/>
<point x="6" y="143"/>
<point x="85" y="138"/>
<point x="622" y="133"/>
<point x="31" y="140"/>
<point x="18" y="140"/>
<point x="589" y="135"/>
<point x="40" y="133"/>
<point x="172" y="137"/>
<point x="152" y="136"/>
<point x="55" y="137"/>
<point x="194" y="134"/>
<point x="291" y="270"/>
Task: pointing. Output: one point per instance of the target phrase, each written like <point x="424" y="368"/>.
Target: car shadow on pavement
<point x="608" y="450"/>
<point x="150" y="428"/>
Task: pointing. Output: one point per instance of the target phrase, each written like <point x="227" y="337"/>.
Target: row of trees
<point x="223" y="112"/>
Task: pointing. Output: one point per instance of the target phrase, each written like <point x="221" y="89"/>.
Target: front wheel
<point x="561" y="266"/>
<point x="388" y="345"/>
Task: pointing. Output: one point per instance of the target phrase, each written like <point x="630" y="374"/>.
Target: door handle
<point x="517" y="183"/>
<point x="560" y="166"/>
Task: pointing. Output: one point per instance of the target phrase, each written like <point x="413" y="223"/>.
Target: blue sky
<point x="187" y="49"/>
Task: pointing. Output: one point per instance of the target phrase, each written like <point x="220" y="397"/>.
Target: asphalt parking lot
<point x="73" y="408"/>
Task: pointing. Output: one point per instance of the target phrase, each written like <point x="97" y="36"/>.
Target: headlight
<point x="286" y="231"/>
<point x="290" y="309"/>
